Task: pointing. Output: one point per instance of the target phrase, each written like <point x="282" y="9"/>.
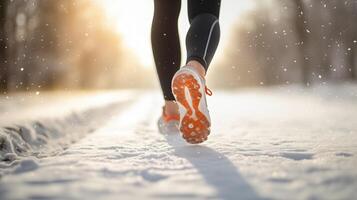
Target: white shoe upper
<point x="169" y="127"/>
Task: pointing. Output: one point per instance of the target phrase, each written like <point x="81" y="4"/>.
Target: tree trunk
<point x="301" y="32"/>
<point x="3" y="46"/>
<point x="352" y="63"/>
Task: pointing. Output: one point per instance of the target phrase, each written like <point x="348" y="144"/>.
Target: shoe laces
<point x="208" y="91"/>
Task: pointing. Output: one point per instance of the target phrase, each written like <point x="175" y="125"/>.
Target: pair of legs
<point x="201" y="40"/>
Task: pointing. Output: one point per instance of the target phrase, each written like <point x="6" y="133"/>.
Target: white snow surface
<point x="32" y="125"/>
<point x="275" y="143"/>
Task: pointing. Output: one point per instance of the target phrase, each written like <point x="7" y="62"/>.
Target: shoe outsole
<point x="194" y="125"/>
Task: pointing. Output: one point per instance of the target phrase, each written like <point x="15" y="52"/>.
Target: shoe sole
<point x="194" y="125"/>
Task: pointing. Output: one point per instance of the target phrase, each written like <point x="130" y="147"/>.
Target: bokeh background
<point x="105" y="44"/>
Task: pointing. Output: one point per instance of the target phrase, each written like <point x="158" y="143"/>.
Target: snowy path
<point x="265" y="144"/>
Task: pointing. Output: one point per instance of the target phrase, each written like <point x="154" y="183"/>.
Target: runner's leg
<point x="165" y="43"/>
<point x="203" y="36"/>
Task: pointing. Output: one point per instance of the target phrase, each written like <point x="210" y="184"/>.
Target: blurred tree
<point x="46" y="44"/>
<point x="3" y="45"/>
<point x="302" y="29"/>
<point x="283" y="42"/>
<point x="351" y="39"/>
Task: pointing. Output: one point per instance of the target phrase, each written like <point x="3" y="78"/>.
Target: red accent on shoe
<point x="167" y="117"/>
<point x="208" y="91"/>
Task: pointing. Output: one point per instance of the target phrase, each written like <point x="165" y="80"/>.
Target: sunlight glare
<point x="132" y="19"/>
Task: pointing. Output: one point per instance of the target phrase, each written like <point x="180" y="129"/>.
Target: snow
<point x="48" y="124"/>
<point x="275" y="143"/>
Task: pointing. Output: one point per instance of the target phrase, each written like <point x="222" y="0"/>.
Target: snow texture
<point x="276" y="143"/>
<point x="50" y="127"/>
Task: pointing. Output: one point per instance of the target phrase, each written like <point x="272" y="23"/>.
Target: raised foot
<point x="194" y="125"/>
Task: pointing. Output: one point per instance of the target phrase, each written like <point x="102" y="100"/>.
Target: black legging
<point x="201" y="40"/>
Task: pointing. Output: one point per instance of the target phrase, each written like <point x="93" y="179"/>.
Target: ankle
<point x="198" y="67"/>
<point x="171" y="108"/>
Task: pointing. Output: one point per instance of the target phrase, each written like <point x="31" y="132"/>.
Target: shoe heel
<point x="194" y="125"/>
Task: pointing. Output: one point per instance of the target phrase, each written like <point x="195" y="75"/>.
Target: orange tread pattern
<point x="194" y="126"/>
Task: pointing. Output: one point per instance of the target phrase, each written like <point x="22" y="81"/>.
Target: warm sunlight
<point x="133" y="19"/>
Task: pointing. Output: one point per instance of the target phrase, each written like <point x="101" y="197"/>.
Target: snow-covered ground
<point x="275" y="143"/>
<point x="44" y="125"/>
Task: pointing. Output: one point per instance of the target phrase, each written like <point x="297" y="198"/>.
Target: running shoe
<point x="168" y="123"/>
<point x="190" y="90"/>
